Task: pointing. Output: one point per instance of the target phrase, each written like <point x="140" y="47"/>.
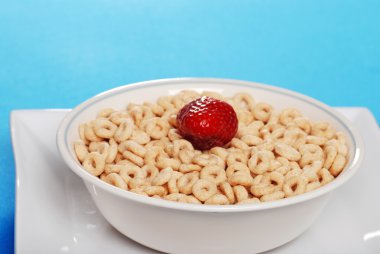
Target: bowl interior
<point x="149" y="91"/>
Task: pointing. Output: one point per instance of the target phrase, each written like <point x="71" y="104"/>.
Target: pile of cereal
<point x="274" y="155"/>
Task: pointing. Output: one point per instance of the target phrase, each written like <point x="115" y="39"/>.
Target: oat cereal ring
<point x="217" y="199"/>
<point x="150" y="171"/>
<point x="177" y="197"/>
<point x="276" y="179"/>
<point x="262" y="111"/>
<point x="273" y="196"/>
<point x="316" y="140"/>
<point x="249" y="201"/>
<point x="324" y="176"/>
<point x="81" y="151"/>
<point x="252" y="140"/>
<point x="261" y="189"/>
<point x="204" y="189"/>
<point x="294" y="165"/>
<point x="341" y="148"/>
<point x="163" y="176"/>
<point x="237" y="167"/>
<point x="172" y="183"/>
<point x="140" y="137"/>
<point x="105" y="113"/>
<point x="89" y="133"/>
<point x="289" y="115"/>
<point x="226" y="189"/>
<point x="118" y="117"/>
<point x="220" y="152"/>
<point x="165" y="102"/>
<point x="133" y="147"/>
<point x="174" y="135"/>
<point x="124" y="131"/>
<point x="330" y="153"/>
<point x="303" y="123"/>
<point x="242" y="179"/>
<point x="99" y="147"/>
<point x="152" y="154"/>
<point x="295" y="138"/>
<point x="186" y="168"/>
<point x="140" y="114"/>
<point x="155" y="190"/>
<point x="244" y="116"/>
<point x="287" y="152"/>
<point x="338" y="165"/>
<point x="112" y="168"/>
<point x="214" y="174"/>
<point x="128" y="173"/>
<point x="294" y="186"/>
<point x="155" y="108"/>
<point x="245" y="100"/>
<point x="313" y="185"/>
<point x="104" y="128"/>
<point x="263" y="162"/>
<point x="82" y="136"/>
<point x="236" y="157"/>
<point x="239" y="144"/>
<point x="94" y="163"/>
<point x="157" y="128"/>
<point x="208" y="159"/>
<point x="186" y="182"/>
<point x="139" y="190"/>
<point x="252" y="129"/>
<point x="116" y="180"/>
<point x="240" y="192"/>
<point x="190" y="199"/>
<point x="164" y="162"/>
<point x="322" y="129"/>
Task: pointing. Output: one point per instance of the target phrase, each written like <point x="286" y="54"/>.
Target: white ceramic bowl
<point x="189" y="228"/>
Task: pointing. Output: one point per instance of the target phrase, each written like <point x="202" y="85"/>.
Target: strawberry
<point x="207" y="122"/>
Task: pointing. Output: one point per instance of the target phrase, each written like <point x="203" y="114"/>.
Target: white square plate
<point x="55" y="213"/>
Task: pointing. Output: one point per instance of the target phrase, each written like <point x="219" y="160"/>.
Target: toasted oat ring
<point x="313" y="185"/>
<point x="252" y="140"/>
<point x="155" y="190"/>
<point x="214" y="174"/>
<point x="116" y="180"/>
<point x="236" y="157"/>
<point x="128" y="173"/>
<point x="287" y="152"/>
<point x="289" y="115"/>
<point x="249" y="201"/>
<point x="89" y="133"/>
<point x="80" y="150"/>
<point x="124" y="131"/>
<point x="273" y="196"/>
<point x="157" y="127"/>
<point x="294" y="186"/>
<point x="324" y="176"/>
<point x="322" y="129"/>
<point x="217" y="199"/>
<point x="186" y="182"/>
<point x="150" y="171"/>
<point x="94" y="163"/>
<point x="261" y="189"/>
<point x="172" y="183"/>
<point x="227" y="190"/>
<point x="204" y="189"/>
<point x="99" y="147"/>
<point x="240" y="179"/>
<point x="177" y="197"/>
<point x="338" y="165"/>
<point x="240" y="192"/>
<point x="237" y="167"/>
<point x="133" y="147"/>
<point x="245" y="99"/>
<point x="104" y="128"/>
<point x="163" y="177"/>
<point x="262" y="111"/>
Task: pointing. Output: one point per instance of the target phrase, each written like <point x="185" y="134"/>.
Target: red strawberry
<point x="207" y="122"/>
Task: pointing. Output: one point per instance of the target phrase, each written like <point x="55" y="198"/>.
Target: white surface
<point x="55" y="213"/>
<point x="246" y="228"/>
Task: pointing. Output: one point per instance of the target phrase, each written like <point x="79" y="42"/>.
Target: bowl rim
<point x="63" y="149"/>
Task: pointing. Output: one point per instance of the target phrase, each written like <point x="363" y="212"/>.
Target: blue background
<point x="55" y="54"/>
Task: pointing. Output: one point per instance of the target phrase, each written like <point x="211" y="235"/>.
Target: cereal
<point x="274" y="154"/>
